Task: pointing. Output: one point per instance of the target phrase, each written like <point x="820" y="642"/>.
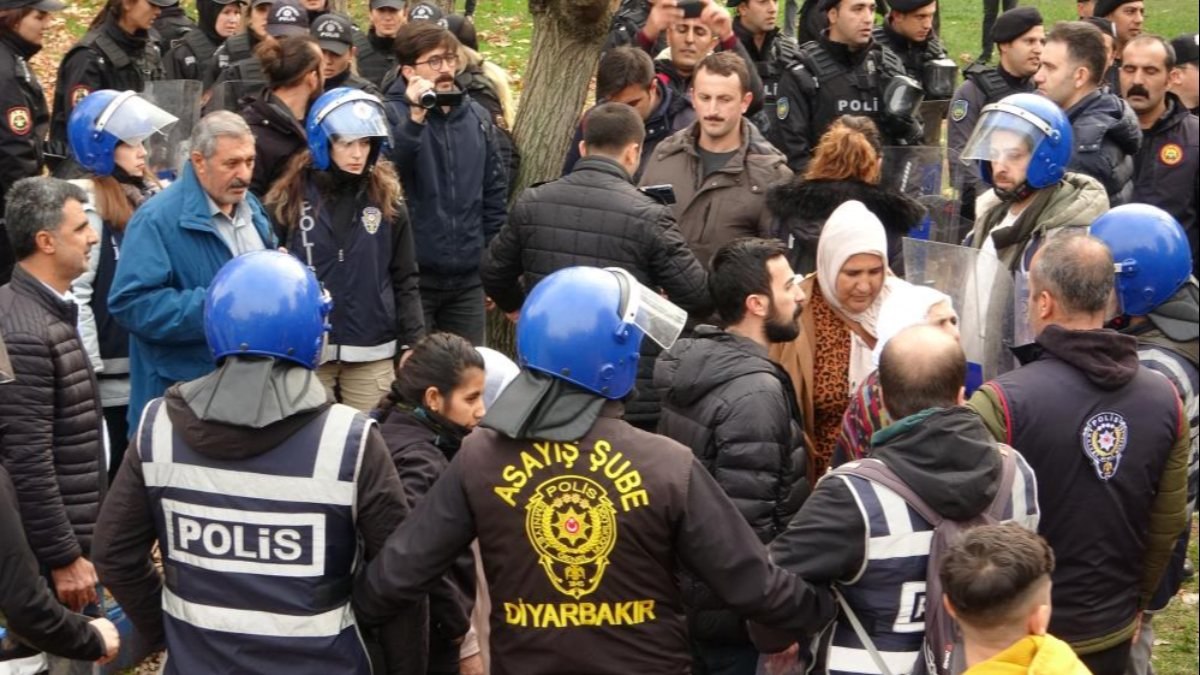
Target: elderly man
<point x="1113" y="437"/>
<point x="50" y="415"/>
<point x="174" y="246"/>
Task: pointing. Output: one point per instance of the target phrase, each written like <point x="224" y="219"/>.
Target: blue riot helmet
<point x="105" y="118"/>
<point x="345" y="114"/>
<point x="1150" y="252"/>
<point x="586" y="324"/>
<point x="267" y="303"/>
<point x="1024" y="124"/>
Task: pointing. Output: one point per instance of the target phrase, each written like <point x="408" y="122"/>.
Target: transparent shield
<point x="231" y="95"/>
<point x="660" y="319"/>
<point x="167" y="152"/>
<point x="983" y="293"/>
<point x="1003" y="135"/>
<point x="923" y="173"/>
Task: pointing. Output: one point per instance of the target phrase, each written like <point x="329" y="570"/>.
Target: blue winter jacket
<point x="170" y="253"/>
<point x="455" y="184"/>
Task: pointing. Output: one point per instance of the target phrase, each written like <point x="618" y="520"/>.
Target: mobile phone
<point x="691" y="8"/>
<point x="664" y="194"/>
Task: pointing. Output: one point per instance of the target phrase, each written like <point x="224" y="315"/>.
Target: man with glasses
<point x="456" y="201"/>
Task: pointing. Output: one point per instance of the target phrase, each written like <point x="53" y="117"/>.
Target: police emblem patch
<point x="958" y="110"/>
<point x="19" y="120"/>
<point x="1170" y="154"/>
<point x="79" y="93"/>
<point x="782" y="107"/>
<point x="572" y="525"/>
<point x="1104" y="438"/>
<point x="371" y="217"/>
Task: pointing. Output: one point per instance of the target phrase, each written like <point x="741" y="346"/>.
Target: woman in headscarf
<point x="907" y="306"/>
<point x="832" y="356"/>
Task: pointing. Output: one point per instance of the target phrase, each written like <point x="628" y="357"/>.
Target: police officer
<point x="1019" y="36"/>
<point x="844" y="72"/>
<point x="376" y="47"/>
<point x="582" y="519"/>
<point x="239" y="49"/>
<point x="1159" y="305"/>
<point x="171" y="25"/>
<point x="335" y="34"/>
<point x="770" y="52"/>
<point x="908" y="31"/>
<point x="22" y="102"/>
<point x="190" y="54"/>
<point x="258" y="488"/>
<point x="117" y="52"/>
<point x="245" y="77"/>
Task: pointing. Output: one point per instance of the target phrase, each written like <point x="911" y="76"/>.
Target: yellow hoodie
<point x="1033" y="655"/>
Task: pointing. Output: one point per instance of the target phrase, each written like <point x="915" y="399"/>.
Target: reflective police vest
<point x="258" y="553"/>
<point x="1178" y="364"/>
<point x="888" y="593"/>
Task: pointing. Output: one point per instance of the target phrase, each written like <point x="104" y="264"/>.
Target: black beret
<point x="909" y="5"/>
<point x="1014" y="23"/>
<point x="1103" y="24"/>
<point x="826" y="5"/>
<point x="1106" y="7"/>
<point x="1187" y="48"/>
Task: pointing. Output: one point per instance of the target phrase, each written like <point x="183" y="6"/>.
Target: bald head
<point x="1075" y="270"/>
<point x="922" y="367"/>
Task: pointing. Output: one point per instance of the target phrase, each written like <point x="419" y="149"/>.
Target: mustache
<point x="444" y="78"/>
<point x="239" y="183"/>
<point x="714" y="118"/>
<point x="1137" y="90"/>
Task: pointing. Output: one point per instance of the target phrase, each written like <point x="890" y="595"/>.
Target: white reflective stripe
<point x="250" y="622"/>
<point x="866" y="519"/>
<point x="859" y="660"/>
<point x="253" y="554"/>
<point x="907" y="545"/>
<point x="332" y="447"/>
<point x="162" y="443"/>
<point x="1168" y="362"/>
<point x="1020" y="508"/>
<point x="253" y="485"/>
<point x="895" y="510"/>
<point x="30" y="665"/>
<point x="1033" y="512"/>
<point x="354" y="354"/>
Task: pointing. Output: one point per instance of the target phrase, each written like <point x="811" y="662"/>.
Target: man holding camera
<point x="455" y="200"/>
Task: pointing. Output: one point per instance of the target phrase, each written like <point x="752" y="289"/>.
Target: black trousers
<point x="990" y="12"/>
<point x="1111" y="661"/>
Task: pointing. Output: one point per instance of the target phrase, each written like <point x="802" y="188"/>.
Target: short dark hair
<point x="726" y="64"/>
<point x="988" y="575"/>
<point x="1150" y="38"/>
<point x="1076" y="269"/>
<point x="35" y="205"/>
<point x="931" y="380"/>
<point x="738" y="270"/>
<point x="623" y="67"/>
<point x="1085" y="46"/>
<point x="420" y="37"/>
<point x="611" y="127"/>
<point x="437" y="360"/>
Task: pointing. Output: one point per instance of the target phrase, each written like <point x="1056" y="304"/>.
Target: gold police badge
<point x="19" y="120"/>
<point x="371" y="217"/>
<point x="571" y="523"/>
<point x="1104" y="438"/>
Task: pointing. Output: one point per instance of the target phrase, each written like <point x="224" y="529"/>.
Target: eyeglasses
<point x="436" y="62"/>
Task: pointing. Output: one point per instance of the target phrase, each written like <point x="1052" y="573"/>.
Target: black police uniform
<point x="190" y="54"/>
<point x="234" y="61"/>
<point x="831" y="80"/>
<point x="914" y="55"/>
<point x="348" y="79"/>
<point x="106" y="57"/>
<point x="171" y="25"/>
<point x="778" y="53"/>
<point x="22" y="128"/>
<point x="376" y="56"/>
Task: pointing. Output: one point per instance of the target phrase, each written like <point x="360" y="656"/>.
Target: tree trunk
<point x="567" y="36"/>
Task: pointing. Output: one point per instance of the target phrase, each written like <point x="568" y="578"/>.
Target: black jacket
<point x="456" y="183"/>
<point x="595" y="216"/>
<point x="50" y="419"/>
<point x="1107" y="136"/>
<point x="376" y="55"/>
<point x="1165" y="176"/>
<point x="27" y="603"/>
<point x="800" y="209"/>
<point x="735" y="408"/>
<point x="278" y="136"/>
<point x="22" y="127"/>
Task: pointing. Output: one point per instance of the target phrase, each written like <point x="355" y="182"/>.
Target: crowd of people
<point x="771" y="408"/>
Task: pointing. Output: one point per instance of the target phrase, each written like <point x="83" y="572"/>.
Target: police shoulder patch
<point x="20" y="120"/>
<point x="782" y="107"/>
<point x="1170" y="154"/>
<point x="1104" y="437"/>
<point x="78" y="93"/>
<point x="958" y="110"/>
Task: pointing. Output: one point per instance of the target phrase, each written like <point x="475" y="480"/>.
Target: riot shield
<point x="921" y="172"/>
<point x="166" y="153"/>
<point x="982" y="290"/>
<point x="232" y="95"/>
<point x="933" y="116"/>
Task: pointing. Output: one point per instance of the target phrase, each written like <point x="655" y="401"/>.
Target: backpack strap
<point x="861" y="632"/>
<point x="878" y="472"/>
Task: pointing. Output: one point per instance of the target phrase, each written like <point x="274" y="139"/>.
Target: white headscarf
<point x="850" y="230"/>
<point x="908" y="306"/>
<point x="498" y="371"/>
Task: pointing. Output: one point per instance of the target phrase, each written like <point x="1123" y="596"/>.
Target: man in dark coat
<point x="50" y="416"/>
<point x="735" y="408"/>
<point x="595" y="216"/>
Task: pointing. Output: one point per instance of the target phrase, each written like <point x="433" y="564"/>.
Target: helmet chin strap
<point x="1017" y="194"/>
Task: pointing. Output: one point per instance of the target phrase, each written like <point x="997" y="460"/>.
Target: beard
<point x="777" y="330"/>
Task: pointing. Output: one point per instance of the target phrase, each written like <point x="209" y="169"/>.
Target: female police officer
<point x="22" y="101"/>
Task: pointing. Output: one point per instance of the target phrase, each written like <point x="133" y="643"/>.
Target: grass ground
<point x="505" y="31"/>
